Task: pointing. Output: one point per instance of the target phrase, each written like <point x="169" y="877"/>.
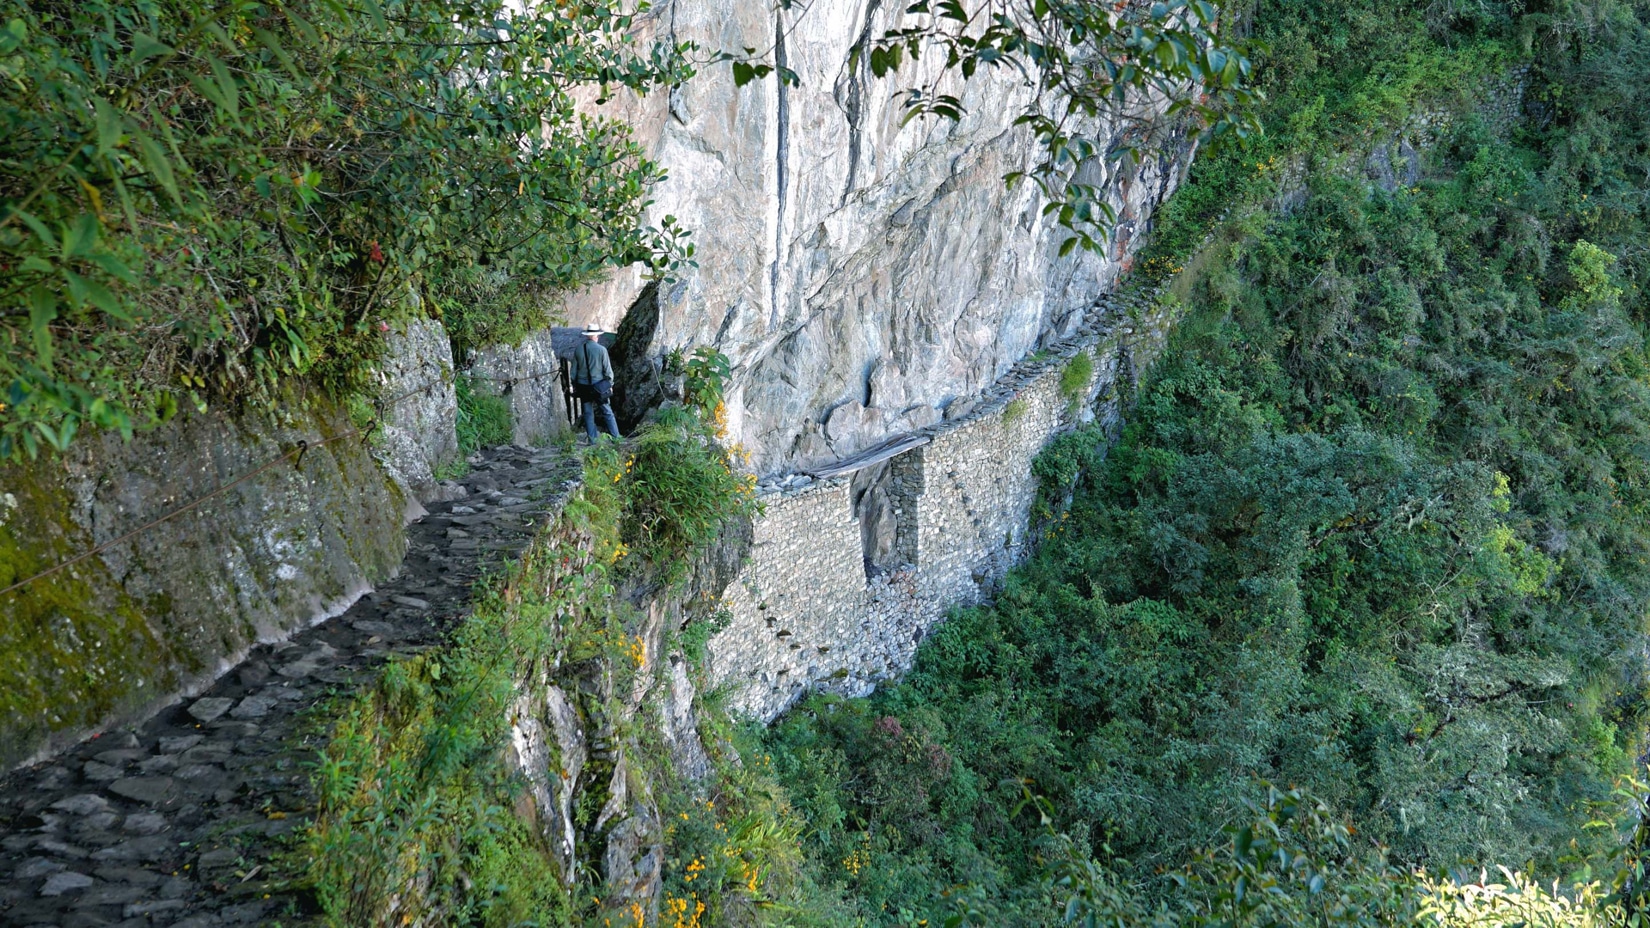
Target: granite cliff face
<point x="860" y="274"/>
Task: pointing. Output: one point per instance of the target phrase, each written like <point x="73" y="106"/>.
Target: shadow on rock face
<point x="636" y="382"/>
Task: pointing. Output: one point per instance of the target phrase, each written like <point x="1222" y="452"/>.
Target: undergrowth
<point x="421" y="801"/>
<point x="484" y="419"/>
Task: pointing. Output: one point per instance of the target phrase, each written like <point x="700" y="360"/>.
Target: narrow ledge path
<point x="178" y="822"/>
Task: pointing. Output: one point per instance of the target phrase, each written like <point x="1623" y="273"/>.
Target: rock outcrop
<point x="416" y="436"/>
<point x="860" y="273"/>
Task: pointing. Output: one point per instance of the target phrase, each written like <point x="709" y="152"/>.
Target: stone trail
<point x="177" y="822"/>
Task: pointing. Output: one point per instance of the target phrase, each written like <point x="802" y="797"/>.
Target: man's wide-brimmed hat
<point x="593" y="330"/>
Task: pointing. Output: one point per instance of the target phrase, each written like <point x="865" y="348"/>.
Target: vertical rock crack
<point x="782" y="166"/>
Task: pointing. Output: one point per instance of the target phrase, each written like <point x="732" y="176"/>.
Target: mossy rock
<point x="75" y="649"/>
<point x="119" y="633"/>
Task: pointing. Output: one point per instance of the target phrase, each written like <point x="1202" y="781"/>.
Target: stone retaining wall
<point x="812" y="608"/>
<point x="525" y="375"/>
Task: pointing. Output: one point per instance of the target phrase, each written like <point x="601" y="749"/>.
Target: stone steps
<point x="177" y="821"/>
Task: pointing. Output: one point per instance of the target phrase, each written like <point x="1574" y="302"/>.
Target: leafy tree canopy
<point x="201" y="199"/>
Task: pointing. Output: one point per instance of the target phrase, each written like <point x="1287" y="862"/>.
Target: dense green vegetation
<point x="483" y="419"/>
<point x="1377" y="526"/>
<point x="203" y="200"/>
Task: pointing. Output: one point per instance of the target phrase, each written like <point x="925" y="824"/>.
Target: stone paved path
<point x="177" y="821"/>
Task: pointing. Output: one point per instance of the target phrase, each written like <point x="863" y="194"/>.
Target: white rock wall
<point x="417" y="431"/>
<point x="860" y="274"/>
<point x="526" y="376"/>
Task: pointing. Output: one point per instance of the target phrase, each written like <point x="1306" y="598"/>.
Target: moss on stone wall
<point x="74" y="648"/>
<point x="116" y="634"/>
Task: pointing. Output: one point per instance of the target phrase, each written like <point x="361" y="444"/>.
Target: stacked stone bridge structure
<point x="854" y="563"/>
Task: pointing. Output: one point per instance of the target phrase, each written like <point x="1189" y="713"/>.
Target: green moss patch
<point x="74" y="649"/>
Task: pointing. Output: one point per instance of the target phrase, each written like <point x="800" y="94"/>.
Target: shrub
<point x="484" y="419"/>
<point x="682" y="490"/>
<point x="1075" y="378"/>
<point x="1060" y="463"/>
<point x="1014" y="410"/>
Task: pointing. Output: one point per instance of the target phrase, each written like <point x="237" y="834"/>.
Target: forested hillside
<point x="1376" y="529"/>
<point x="1350" y="615"/>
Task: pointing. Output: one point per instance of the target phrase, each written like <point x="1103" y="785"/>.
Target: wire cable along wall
<point x="294" y="454"/>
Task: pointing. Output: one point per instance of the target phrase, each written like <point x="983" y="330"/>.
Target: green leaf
<point x="126" y="205"/>
<point x="209" y="89"/>
<point x="268" y="40"/>
<point x="301" y="26"/>
<point x="85" y="290"/>
<point x="49" y="432"/>
<point x="227" y="87"/>
<point x="65" y="433"/>
<point x="114" y="267"/>
<point x="81" y="238"/>
<point x="110" y="124"/>
<point x="11" y="39"/>
<point x="42" y="310"/>
<point x="145" y="46"/>
<point x="39" y="228"/>
<point x="158" y="164"/>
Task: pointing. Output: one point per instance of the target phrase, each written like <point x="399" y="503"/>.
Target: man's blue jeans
<point x="609" y="424"/>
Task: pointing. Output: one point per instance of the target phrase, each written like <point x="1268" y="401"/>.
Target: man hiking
<point x="593" y="383"/>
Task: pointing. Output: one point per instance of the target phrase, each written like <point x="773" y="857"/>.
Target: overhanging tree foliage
<point x="202" y="198"/>
<point x="1154" y="67"/>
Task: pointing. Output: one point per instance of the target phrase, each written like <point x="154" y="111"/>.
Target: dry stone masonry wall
<point x="848" y="573"/>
